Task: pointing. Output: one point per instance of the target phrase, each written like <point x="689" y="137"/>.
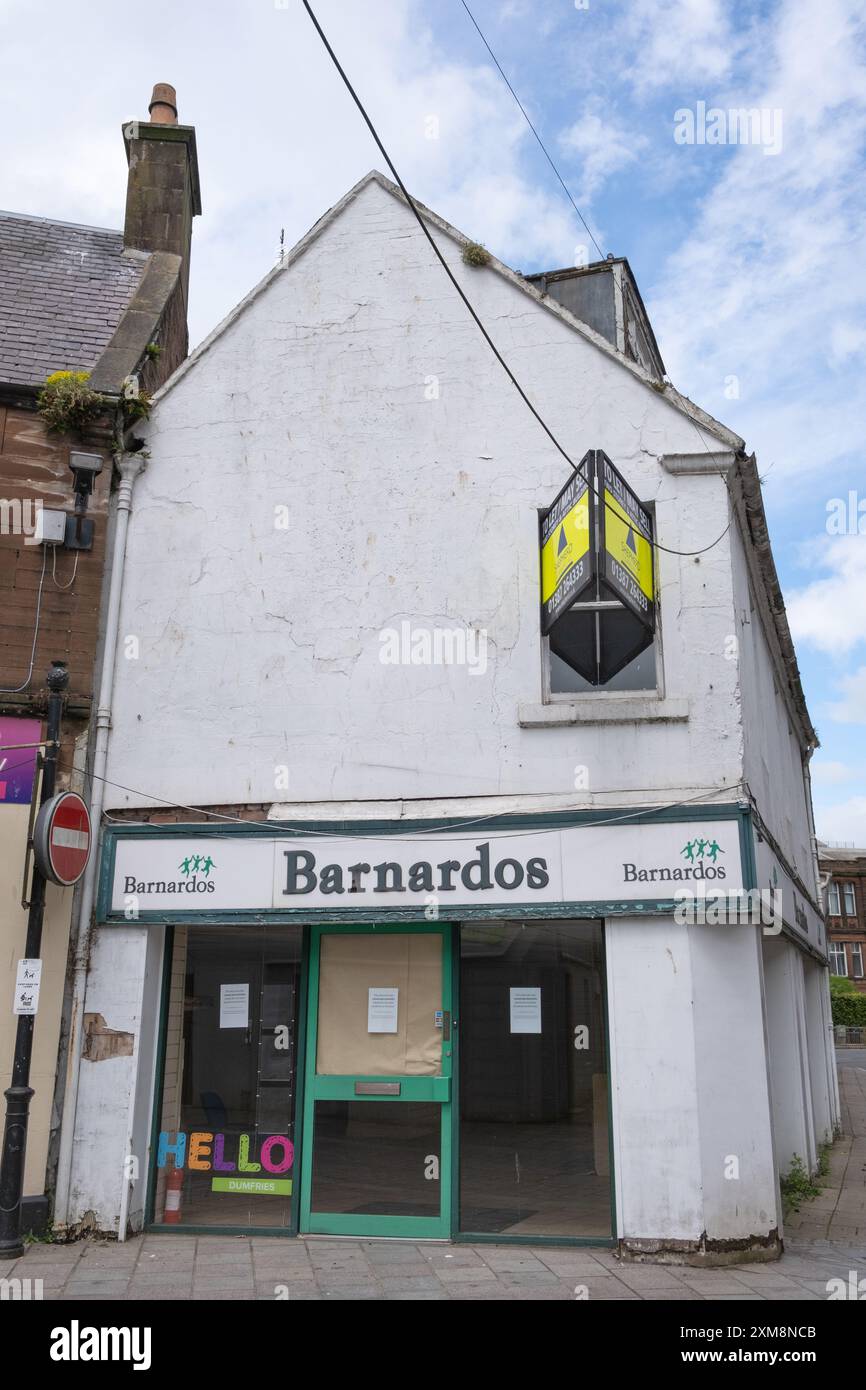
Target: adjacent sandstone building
<point x="111" y="305"/>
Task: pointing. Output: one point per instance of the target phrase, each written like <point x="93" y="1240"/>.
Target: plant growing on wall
<point x="797" y="1185"/>
<point x="135" y="408"/>
<point x="475" y="254"/>
<point x="68" y="403"/>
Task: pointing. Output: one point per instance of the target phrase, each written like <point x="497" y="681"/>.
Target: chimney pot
<point x="163" y="104"/>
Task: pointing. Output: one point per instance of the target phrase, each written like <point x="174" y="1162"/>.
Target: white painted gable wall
<point x="260" y="647"/>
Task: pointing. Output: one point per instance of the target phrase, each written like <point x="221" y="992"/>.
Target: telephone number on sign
<point x="569" y="580"/>
<point x="634" y="590"/>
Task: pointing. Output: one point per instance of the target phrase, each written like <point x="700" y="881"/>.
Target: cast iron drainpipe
<point x="129" y="466"/>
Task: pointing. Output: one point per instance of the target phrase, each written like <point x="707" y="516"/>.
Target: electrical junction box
<point x="50" y="527"/>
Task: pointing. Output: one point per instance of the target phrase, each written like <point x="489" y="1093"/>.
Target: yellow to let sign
<point x="566" y="545"/>
<point x="627" y="544"/>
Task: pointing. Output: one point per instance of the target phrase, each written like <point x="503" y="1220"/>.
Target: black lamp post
<point x="19" y="1094"/>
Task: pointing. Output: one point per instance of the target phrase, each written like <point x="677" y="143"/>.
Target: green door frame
<point x="412" y="1088"/>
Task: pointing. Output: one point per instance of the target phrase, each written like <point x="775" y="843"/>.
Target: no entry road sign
<point x="62" y="838"/>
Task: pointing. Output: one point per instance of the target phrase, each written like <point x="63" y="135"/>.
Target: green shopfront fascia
<point x="395" y="1030"/>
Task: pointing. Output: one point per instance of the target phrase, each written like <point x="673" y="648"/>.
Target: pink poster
<point x="17" y="764"/>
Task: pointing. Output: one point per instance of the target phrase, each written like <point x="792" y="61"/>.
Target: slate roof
<point x="63" y="291"/>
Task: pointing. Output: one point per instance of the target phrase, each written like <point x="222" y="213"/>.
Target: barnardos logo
<point x="195" y="863"/>
<point x="695" y="852"/>
<point x="195" y="869"/>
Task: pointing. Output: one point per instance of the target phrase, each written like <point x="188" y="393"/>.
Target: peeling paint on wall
<point x="102" y="1042"/>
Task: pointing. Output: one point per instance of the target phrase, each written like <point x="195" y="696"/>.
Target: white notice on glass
<point x="382" y="1010"/>
<point x="525" y="1010"/>
<point x="234" y="1006"/>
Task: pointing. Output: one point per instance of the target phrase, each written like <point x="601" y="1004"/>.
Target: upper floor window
<point x="590" y="637"/>
<point x="850" y="903"/>
<point x="838" y="959"/>
<point x="856" y="960"/>
<point x="833" y="901"/>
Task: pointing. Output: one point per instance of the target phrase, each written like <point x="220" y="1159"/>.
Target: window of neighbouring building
<point x="833" y="906"/>
<point x="838" y="959"/>
<point x="534" y="1147"/>
<point x="225" y="1146"/>
<point x="856" y="960"/>
<point x="850" y="901"/>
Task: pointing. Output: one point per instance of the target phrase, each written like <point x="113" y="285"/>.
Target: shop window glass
<point x="225" y="1147"/>
<point x="534" y="1155"/>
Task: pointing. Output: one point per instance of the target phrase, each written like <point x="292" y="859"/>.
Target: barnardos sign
<point x="304" y="874"/>
<point x="154" y="874"/>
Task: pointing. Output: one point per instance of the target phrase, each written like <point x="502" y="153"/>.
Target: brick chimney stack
<point x="162" y="195"/>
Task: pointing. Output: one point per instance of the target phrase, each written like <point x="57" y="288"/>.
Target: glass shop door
<point x="377" y="1109"/>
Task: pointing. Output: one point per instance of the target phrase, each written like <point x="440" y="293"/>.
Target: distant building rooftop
<point x="826" y="851"/>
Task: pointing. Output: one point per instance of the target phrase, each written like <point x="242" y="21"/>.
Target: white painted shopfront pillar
<point x="112" y="1123"/>
<point x="789" y="1065"/>
<point x="820" y="1044"/>
<point x="830" y="1050"/>
<point x="739" y="1175"/>
<point x="693" y="1141"/>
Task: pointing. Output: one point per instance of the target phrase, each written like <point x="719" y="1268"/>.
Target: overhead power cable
<point x="425" y="229"/>
<point x="454" y="281"/>
<point x="276" y="828"/>
<point x="570" y="199"/>
<point x="541" y="143"/>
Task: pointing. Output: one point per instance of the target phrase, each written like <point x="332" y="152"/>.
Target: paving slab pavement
<point x="839" y="1213"/>
<point x="368" y="1270"/>
<point x="825" y="1240"/>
